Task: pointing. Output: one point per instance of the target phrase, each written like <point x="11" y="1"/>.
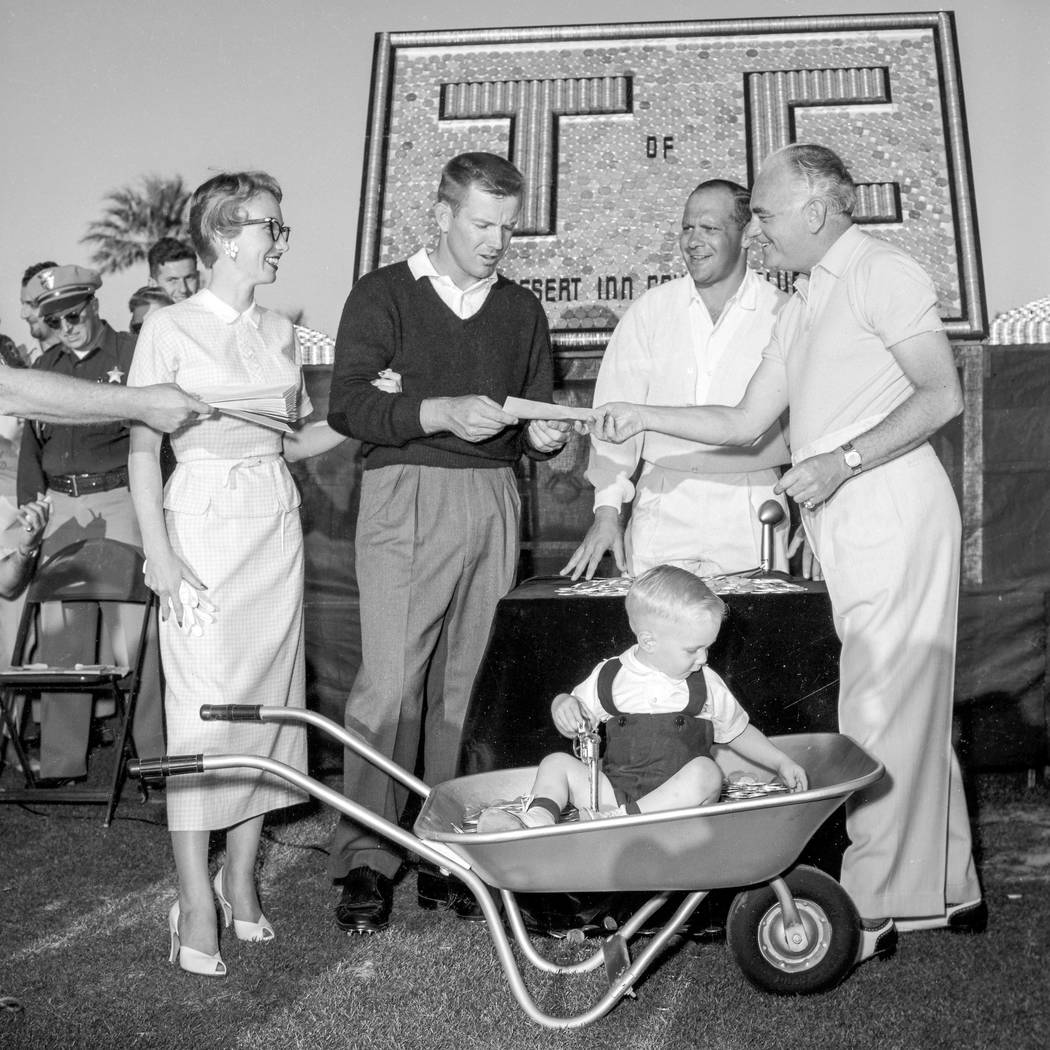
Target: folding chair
<point x="96" y="571"/>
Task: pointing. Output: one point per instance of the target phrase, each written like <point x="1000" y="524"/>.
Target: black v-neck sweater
<point x="393" y="321"/>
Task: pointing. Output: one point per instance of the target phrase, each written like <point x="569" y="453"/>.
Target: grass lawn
<point x="83" y="949"/>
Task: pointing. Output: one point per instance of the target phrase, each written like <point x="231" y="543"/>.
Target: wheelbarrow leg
<point x="794" y="928"/>
<point x="592" y="962"/>
<point x="619" y="985"/>
<point x="617" y="960"/>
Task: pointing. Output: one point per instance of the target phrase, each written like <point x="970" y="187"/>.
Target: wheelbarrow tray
<point x="723" y="845"/>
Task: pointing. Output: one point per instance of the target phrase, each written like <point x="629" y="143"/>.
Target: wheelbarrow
<point x="791" y="929"/>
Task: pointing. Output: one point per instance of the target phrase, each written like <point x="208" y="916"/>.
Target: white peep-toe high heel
<point x="191" y="960"/>
<point x="245" y="931"/>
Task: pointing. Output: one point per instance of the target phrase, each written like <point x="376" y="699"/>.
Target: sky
<point x="97" y="95"/>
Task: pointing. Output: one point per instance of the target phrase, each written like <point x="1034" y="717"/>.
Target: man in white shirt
<point x="694" y="340"/>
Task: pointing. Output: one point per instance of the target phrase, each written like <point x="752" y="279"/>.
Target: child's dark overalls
<point x="643" y="751"/>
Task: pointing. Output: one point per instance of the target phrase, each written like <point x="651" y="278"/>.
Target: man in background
<point x="173" y="268"/>
<point x="43" y="337"/>
<point x="14" y="569"/>
<point x="143" y="302"/>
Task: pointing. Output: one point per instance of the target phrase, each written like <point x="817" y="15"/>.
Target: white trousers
<point x="706" y="523"/>
<point x="888" y="541"/>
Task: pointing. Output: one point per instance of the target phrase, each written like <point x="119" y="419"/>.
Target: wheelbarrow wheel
<point x="759" y="943"/>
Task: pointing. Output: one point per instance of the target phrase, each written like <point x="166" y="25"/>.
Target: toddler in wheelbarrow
<point x="663" y="709"/>
<point x="652" y="822"/>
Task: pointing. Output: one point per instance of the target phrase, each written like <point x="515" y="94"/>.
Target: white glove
<point x="196" y="611"/>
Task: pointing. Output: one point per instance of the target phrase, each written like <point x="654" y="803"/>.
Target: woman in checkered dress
<point x="224" y="552"/>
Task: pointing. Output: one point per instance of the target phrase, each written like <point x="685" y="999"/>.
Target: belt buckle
<point x="73" y="482"/>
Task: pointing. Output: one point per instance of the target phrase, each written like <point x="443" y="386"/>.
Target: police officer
<point x="82" y="470"/>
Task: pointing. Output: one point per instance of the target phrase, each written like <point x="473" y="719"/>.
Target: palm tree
<point x="136" y="218"/>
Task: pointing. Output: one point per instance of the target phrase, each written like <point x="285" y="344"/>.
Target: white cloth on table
<point x="232" y="514"/>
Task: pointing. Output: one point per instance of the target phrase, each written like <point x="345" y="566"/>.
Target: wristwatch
<point x="853" y="458"/>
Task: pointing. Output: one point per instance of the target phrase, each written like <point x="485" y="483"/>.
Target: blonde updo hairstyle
<point x="219" y="204"/>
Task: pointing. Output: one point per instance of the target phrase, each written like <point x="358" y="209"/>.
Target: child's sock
<point x="542" y="812"/>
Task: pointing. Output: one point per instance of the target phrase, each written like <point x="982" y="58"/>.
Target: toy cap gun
<point x="585" y="748"/>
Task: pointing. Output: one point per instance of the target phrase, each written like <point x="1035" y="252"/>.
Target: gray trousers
<point x="436" y="550"/>
<point x="67" y="636"/>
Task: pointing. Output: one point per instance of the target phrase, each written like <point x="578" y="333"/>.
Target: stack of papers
<point x="273" y="407"/>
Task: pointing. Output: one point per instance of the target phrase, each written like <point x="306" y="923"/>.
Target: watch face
<point x="853" y="459"/>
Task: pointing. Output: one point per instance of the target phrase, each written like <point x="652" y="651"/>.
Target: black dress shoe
<point x="465" y="904"/>
<point x="878" y="939"/>
<point x="432" y="889"/>
<point x="968" y="918"/>
<point x="435" y="890"/>
<point x="366" y="902"/>
<point x="971" y="917"/>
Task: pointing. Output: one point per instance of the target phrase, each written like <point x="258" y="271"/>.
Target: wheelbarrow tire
<point x="755" y="933"/>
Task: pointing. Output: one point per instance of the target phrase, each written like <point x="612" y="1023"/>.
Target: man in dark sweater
<point x="427" y="351"/>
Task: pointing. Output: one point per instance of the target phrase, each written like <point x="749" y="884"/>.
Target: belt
<point x="82" y="484"/>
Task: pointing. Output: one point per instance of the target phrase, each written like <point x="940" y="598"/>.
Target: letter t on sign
<point x="775" y="98"/>
<point x="535" y="109"/>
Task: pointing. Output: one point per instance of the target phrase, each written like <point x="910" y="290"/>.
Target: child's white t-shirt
<point x="639" y="689"/>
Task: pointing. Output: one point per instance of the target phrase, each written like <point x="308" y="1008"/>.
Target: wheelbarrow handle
<point x="230" y="713"/>
<point x="166" y="766"/>
<point x="348" y="738"/>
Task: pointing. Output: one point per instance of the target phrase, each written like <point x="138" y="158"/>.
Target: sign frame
<point x="794" y="73"/>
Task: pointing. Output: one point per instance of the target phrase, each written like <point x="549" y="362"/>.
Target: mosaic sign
<point x="612" y="127"/>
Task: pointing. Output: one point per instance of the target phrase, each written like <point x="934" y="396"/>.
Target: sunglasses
<point x="277" y="231"/>
<point x="70" y="317"/>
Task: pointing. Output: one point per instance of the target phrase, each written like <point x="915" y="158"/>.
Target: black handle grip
<point x="166" y="766"/>
<point x="230" y="713"/>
